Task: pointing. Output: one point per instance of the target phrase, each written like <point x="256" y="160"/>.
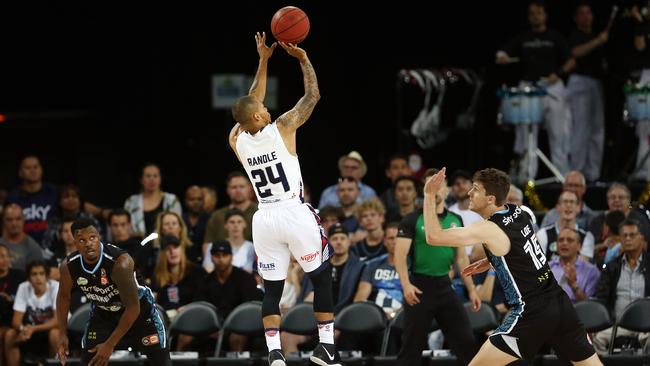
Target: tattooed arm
<point x="299" y="114"/>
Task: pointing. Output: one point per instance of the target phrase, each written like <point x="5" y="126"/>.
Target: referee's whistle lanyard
<point x="99" y="262"/>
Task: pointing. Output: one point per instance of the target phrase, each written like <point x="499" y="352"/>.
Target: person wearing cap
<point x="427" y="288"/>
<point x="350" y="165"/>
<point x="176" y="279"/>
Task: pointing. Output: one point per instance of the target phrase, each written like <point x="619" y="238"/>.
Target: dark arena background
<point x="98" y="89"/>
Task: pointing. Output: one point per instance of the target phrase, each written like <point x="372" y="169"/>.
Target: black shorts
<point x="550" y="320"/>
<point x="146" y="333"/>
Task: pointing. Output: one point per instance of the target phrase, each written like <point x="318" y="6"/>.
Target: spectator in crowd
<point x="34" y="324"/>
<point x="170" y="223"/>
<point x="515" y="196"/>
<point x="195" y="218"/>
<point x="292" y="286"/>
<point x="577" y="277"/>
<point x="567" y="205"/>
<point x="330" y="215"/>
<point x="379" y="281"/>
<point x="370" y="214"/>
<point x="398" y="166"/>
<point x="575" y="182"/>
<point x="544" y="57"/>
<point x="209" y="199"/>
<point x="612" y="246"/>
<point x="625" y="279"/>
<point x="37" y="198"/>
<point x="144" y="257"/>
<point x="348" y="193"/>
<point x="427" y="291"/>
<point x="461" y="183"/>
<point x="238" y="189"/>
<point x="641" y="61"/>
<point x="70" y="206"/>
<point x="9" y="281"/>
<point x="176" y="280"/>
<point x="586" y="94"/>
<point x="406" y="194"/>
<point x="346" y="270"/>
<point x="22" y="248"/>
<point x="350" y="165"/>
<point x="145" y="206"/>
<point x="243" y="251"/>
<point x="490" y="290"/>
<point x="618" y="199"/>
<point x="226" y="288"/>
<point x="66" y="248"/>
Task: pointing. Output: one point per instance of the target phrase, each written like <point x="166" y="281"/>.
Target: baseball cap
<point x="168" y="240"/>
<point x="222" y="246"/>
<point x="336" y="229"/>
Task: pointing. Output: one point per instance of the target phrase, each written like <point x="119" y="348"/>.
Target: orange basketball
<point x="290" y="25"/>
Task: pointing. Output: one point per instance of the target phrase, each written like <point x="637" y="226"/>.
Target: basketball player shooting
<point x="123" y="312"/>
<point x="540" y="311"/>
<point x="284" y="225"/>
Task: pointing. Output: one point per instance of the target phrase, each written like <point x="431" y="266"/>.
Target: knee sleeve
<point x="272" y="296"/>
<point x="322" y="281"/>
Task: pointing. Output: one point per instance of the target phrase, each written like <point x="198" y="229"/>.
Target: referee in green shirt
<point x="427" y="287"/>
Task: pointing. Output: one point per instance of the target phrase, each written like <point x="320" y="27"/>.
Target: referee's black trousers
<point x="438" y="300"/>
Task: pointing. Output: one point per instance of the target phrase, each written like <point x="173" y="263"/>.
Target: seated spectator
<point x="226" y="287"/>
<point x="618" y="199"/>
<point x="70" y="206"/>
<point x="22" y="248"/>
<point x="346" y="270"/>
<point x="489" y="290"/>
<point x="330" y="215"/>
<point x="176" y="280"/>
<point x="379" y="281"/>
<point x="625" y="279"/>
<point x="145" y="207"/>
<point x="574" y="182"/>
<point x="239" y="190"/>
<point x="196" y="219"/>
<point x="171" y="223"/>
<point x="612" y="246"/>
<point x="350" y="165"/>
<point x="347" y="191"/>
<point x="398" y="166"/>
<point x="577" y="277"/>
<point x="568" y="208"/>
<point x="406" y="194"/>
<point x="243" y="251"/>
<point x="65" y="233"/>
<point x="34" y="325"/>
<point x="144" y="257"/>
<point x="292" y="286"/>
<point x="515" y="196"/>
<point x="370" y="214"/>
<point x="209" y="199"/>
<point x="9" y="281"/>
<point x="38" y="199"/>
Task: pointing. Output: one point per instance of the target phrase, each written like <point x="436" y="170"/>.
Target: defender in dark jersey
<point x="540" y="312"/>
<point x="123" y="309"/>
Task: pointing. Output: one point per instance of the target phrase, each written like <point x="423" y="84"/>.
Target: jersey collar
<point x="99" y="262"/>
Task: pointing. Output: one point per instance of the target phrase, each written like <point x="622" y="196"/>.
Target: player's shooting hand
<point x="435" y="182"/>
<point x="411" y="294"/>
<point x="103" y="352"/>
<point x="476" y="267"/>
<point x="62" y="349"/>
<point x="262" y="49"/>
<point x="294" y="50"/>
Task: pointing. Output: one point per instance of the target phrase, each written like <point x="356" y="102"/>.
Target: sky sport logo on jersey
<point x="266" y="266"/>
<point x="309" y="257"/>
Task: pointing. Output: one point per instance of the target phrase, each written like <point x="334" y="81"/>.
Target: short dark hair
<point x="243" y="108"/>
<point x="235" y="174"/>
<point x="148" y="164"/>
<point x="495" y="182"/>
<point x="539" y="3"/>
<point x="416" y="184"/>
<point x="119" y="212"/>
<point x="392" y="225"/>
<point x="37" y="263"/>
<point x="613" y="220"/>
<point x="82" y="223"/>
<point x="234" y="212"/>
<point x="581" y="3"/>
<point x="332" y="211"/>
<point x="398" y="156"/>
<point x="629" y="222"/>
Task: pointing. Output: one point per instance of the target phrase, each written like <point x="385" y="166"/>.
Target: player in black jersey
<point x="123" y="309"/>
<point x="540" y="311"/>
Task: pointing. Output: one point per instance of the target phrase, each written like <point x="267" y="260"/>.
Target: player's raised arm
<point x="299" y="114"/>
<point x="258" y="89"/>
<point x="62" y="309"/>
<point x="479" y="232"/>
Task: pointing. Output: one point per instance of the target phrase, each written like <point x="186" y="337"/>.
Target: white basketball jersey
<point x="274" y="172"/>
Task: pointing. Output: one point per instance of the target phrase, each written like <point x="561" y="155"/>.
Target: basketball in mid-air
<point x="290" y="25"/>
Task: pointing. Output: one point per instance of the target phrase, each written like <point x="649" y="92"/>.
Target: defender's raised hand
<point x="262" y="49"/>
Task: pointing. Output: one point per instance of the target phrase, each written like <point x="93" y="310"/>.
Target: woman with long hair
<point x="171" y="223"/>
